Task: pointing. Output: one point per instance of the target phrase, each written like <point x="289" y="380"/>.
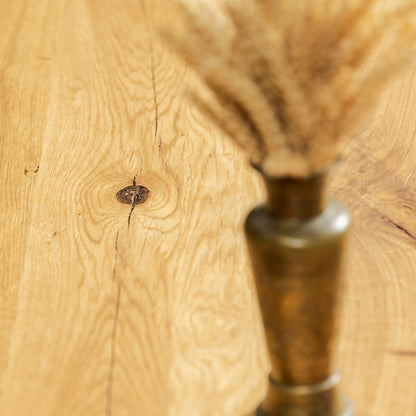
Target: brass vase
<point x="296" y="241"/>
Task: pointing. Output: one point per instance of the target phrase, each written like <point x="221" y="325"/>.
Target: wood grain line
<point x="89" y="93"/>
<point x="408" y="178"/>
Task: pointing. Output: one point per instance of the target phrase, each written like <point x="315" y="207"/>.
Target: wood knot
<point x="133" y="195"/>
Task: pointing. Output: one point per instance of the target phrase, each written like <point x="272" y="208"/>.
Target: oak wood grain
<point x="159" y="317"/>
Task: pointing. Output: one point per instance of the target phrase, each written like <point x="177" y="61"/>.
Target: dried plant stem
<point x="294" y="80"/>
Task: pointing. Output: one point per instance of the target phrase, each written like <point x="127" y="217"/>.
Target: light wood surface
<point x="160" y="318"/>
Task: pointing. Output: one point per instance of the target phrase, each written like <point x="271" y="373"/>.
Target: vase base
<point x="346" y="408"/>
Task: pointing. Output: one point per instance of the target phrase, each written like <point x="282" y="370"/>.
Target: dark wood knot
<point x="133" y="195"/>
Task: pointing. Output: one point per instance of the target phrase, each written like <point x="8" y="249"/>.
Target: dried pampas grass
<point x="293" y="79"/>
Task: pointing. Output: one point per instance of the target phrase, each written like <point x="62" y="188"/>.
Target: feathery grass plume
<point x="294" y="79"/>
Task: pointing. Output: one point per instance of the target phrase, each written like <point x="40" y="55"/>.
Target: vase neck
<point x="296" y="198"/>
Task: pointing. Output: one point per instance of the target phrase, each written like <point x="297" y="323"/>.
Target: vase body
<point x="296" y="243"/>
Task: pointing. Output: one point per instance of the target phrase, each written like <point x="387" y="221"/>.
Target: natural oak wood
<point x="159" y="317"/>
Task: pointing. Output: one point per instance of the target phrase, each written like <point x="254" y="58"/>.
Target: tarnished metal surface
<point x="296" y="242"/>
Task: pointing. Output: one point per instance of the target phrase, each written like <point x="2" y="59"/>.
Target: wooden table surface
<point x="159" y="318"/>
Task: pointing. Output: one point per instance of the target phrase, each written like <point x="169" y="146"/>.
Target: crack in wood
<point x="152" y="67"/>
<point x="34" y="172"/>
<point x="403" y="353"/>
<point x="152" y="63"/>
<point x="132" y="206"/>
<point x="109" y="392"/>
<point x="115" y="256"/>
<point x="109" y="395"/>
<point x="133" y="202"/>
<point x="399" y="227"/>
